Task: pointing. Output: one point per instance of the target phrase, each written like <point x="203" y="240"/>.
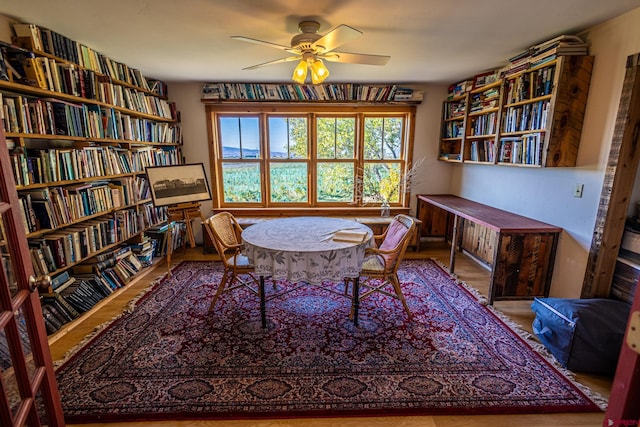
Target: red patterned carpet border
<point x="170" y="358"/>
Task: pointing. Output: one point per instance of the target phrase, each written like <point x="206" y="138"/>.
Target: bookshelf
<point x="81" y="130"/>
<point x="329" y="92"/>
<point x="536" y="120"/>
<point x="454" y="119"/>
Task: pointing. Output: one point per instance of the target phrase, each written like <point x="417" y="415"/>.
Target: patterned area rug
<point x="169" y="358"/>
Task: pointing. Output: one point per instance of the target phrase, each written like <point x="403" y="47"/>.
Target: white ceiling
<point x="428" y="40"/>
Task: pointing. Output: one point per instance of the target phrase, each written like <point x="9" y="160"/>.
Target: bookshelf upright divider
<point x="81" y="130"/>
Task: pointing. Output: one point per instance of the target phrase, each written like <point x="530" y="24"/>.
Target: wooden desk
<point x="521" y="253"/>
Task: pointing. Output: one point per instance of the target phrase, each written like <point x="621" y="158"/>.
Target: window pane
<point x="289" y="182"/>
<point x="392" y="138"/>
<point x="278" y="142"/>
<point x="382" y="138"/>
<point x="381" y="182"/>
<point x="298" y="141"/>
<point x="288" y="138"/>
<point x="239" y="137"/>
<point x="336" y="138"/>
<point x="335" y="182"/>
<point x="241" y="182"/>
<point x="373" y="138"/>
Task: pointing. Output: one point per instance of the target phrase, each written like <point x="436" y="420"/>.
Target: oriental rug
<point x="169" y="358"/>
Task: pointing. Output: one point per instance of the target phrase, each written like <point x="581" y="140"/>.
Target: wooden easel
<point x="182" y="212"/>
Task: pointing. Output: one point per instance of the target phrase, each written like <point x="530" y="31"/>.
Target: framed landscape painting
<point x="171" y="185"/>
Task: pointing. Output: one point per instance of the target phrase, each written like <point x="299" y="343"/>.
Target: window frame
<point x="312" y="112"/>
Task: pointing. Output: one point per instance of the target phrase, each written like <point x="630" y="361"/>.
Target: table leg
<point x="263" y="308"/>
<point x="454" y="244"/>
<point x="356" y="300"/>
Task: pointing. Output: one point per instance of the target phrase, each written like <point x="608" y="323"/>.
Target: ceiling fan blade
<point x="336" y="37"/>
<point x="264" y="43"/>
<point x="356" y="58"/>
<point x="277" y="61"/>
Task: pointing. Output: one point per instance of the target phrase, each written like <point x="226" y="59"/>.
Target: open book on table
<point x="350" y="236"/>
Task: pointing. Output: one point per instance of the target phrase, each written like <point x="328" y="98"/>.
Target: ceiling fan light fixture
<point x="300" y="72"/>
<point x="319" y="72"/>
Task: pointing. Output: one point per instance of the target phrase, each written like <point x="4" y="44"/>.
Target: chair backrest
<point x="396" y="240"/>
<point x="224" y="230"/>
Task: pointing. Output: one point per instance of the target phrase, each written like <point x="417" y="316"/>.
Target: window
<point x="310" y="157"/>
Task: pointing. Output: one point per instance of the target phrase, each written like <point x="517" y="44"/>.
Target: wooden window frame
<point x="312" y="111"/>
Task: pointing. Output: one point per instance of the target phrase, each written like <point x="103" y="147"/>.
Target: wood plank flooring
<point x="467" y="270"/>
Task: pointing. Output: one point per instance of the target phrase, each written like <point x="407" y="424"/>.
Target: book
<point x="353" y="236"/>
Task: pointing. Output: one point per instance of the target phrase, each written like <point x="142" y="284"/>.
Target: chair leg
<point x="396" y="285"/>
<point x="223" y="284"/>
<point x="346" y="285"/>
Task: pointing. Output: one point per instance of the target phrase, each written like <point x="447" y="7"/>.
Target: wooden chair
<point x="224" y="231"/>
<point x="380" y="266"/>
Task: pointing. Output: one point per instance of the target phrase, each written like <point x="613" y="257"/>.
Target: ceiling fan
<point x="310" y="48"/>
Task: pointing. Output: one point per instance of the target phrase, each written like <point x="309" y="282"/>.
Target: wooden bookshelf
<point x="329" y="92"/>
<point x="536" y="121"/>
<point x="454" y="122"/>
<point x="103" y="302"/>
<point x="83" y="128"/>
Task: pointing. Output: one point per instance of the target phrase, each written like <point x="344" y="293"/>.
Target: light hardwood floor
<point x="467" y="270"/>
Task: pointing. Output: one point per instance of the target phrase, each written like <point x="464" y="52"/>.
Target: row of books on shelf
<point x="533" y="57"/>
<point x="42" y="166"/>
<point x="526" y="117"/>
<point x="50" y="116"/>
<point x="525" y="150"/>
<point x="453" y="110"/>
<point x="71" y="245"/>
<point x="23" y="66"/>
<point x="50" y="208"/>
<point x="41" y="39"/>
<point x="76" y="292"/>
<point x="484" y="124"/>
<point x="453" y="129"/>
<point x="58" y="250"/>
<point x="530" y="85"/>
<point x="320" y="92"/>
<point x="167" y="235"/>
<point x="482" y="150"/>
<point x="485" y="100"/>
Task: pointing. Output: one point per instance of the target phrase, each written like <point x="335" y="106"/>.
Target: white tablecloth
<point x="302" y="249"/>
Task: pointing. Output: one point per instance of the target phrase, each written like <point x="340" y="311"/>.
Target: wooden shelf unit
<point x="537" y="123"/>
<point x="149" y="135"/>
<point x="454" y="120"/>
<point x="519" y="251"/>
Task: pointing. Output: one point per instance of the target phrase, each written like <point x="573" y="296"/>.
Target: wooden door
<point x="28" y="387"/>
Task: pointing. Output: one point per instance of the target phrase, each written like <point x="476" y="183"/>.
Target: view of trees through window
<point x="323" y="159"/>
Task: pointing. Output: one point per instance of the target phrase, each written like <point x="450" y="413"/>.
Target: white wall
<point x="194" y="130"/>
<point x="543" y="194"/>
<point x="546" y="194"/>
<point x="434" y="176"/>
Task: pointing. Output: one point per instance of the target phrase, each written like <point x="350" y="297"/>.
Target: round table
<point x="302" y="249"/>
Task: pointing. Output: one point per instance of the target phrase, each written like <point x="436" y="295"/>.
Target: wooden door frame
<point x="622" y="166"/>
<point x="42" y="382"/>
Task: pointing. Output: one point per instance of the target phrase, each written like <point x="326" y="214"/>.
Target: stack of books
<point x="71" y="296"/>
<point x="564" y="45"/>
<point x="459" y="89"/>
